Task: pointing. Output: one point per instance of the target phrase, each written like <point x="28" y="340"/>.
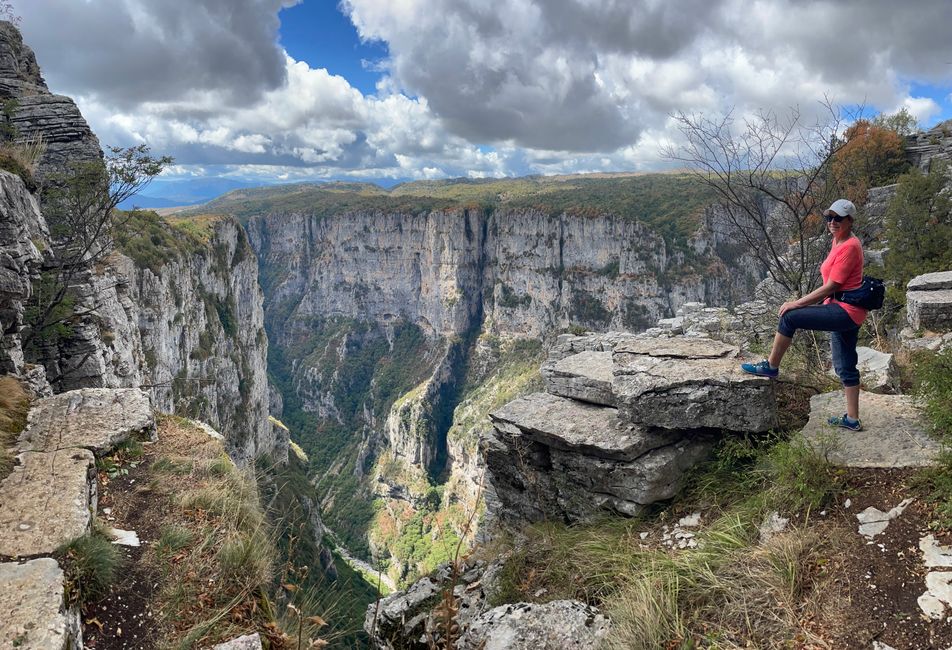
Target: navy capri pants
<point x="843" y="335"/>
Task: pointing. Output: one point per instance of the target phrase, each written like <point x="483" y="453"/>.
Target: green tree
<point x="919" y="225"/>
<point x="902" y="122"/>
<point x="80" y="208"/>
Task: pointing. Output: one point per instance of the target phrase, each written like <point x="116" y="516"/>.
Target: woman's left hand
<point x="787" y="306"/>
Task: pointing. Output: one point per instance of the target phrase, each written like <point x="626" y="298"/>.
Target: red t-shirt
<point x="844" y="265"/>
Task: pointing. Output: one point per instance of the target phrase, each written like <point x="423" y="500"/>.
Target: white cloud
<point x="474" y="88"/>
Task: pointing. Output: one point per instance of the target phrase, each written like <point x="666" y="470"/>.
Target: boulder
<point x="35" y="613"/>
<point x="529" y="626"/>
<point x="894" y="432"/>
<point x="93" y="418"/>
<point x="46" y="501"/>
<point x="405" y="619"/>
<point x="929" y="310"/>
<point x="942" y="280"/>
<point x="877" y="370"/>
<point x="549" y="457"/>
<point x="690" y="383"/>
<point x="585" y="376"/>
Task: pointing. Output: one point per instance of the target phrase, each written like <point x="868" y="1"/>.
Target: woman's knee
<point x="787" y="326"/>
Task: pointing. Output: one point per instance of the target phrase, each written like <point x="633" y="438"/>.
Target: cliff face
<point x="22" y="235"/>
<point x="520" y="272"/>
<point x="188" y="327"/>
<point x="441" y="296"/>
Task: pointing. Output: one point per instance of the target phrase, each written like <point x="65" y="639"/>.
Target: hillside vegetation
<point x="671" y="203"/>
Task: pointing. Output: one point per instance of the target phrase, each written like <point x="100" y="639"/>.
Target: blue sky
<point x="317" y="32"/>
<point x="286" y="90"/>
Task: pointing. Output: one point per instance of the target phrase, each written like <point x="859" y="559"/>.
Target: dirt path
<point x="876" y="583"/>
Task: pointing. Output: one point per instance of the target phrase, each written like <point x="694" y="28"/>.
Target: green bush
<point x="919" y="226"/>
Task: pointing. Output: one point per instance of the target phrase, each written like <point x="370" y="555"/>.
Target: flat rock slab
<point x="93" y="418"/>
<point x="570" y="425"/>
<point x="685" y="383"/>
<point x="585" y="376"/>
<point x="35" y="616"/>
<point x="528" y="626"/>
<point x="679" y="348"/>
<point x="929" y="310"/>
<point x="46" y="501"/>
<point x="931" y="281"/>
<point x="894" y="432"/>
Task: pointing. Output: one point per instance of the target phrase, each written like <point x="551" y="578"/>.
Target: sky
<point x="286" y="90"/>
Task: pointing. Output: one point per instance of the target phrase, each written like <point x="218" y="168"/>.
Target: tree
<point x="770" y="175"/>
<point x="871" y="155"/>
<point x="80" y="208"/>
<point x="919" y="225"/>
<point x="902" y="122"/>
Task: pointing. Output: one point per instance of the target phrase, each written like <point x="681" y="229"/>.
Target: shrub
<point x="919" y="226"/>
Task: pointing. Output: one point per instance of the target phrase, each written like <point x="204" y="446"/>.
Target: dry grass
<point x="732" y="591"/>
<point x="213" y="552"/>
<point x="14" y="405"/>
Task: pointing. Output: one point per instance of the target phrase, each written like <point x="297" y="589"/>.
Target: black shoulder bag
<point x="869" y="295"/>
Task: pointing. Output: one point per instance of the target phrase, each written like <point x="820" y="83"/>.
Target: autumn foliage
<point x="871" y="156"/>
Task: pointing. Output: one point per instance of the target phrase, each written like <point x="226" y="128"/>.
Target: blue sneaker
<point x="762" y="369"/>
<point x="846" y="422"/>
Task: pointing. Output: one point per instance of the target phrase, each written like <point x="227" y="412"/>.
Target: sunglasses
<point x="833" y="217"/>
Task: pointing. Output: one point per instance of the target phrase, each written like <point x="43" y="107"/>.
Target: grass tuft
<point x="91" y="563"/>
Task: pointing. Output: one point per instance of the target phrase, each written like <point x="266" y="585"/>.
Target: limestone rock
<point x="929" y="310"/>
<point x="909" y="340"/>
<point x="894" y="433"/>
<point x="403" y="619"/>
<point x="46" y="501"/>
<point x="553" y="458"/>
<point x="874" y="521"/>
<point x="526" y="626"/>
<point x="877" y="370"/>
<point x="246" y="642"/>
<point x="35" y="614"/>
<point x="94" y="418"/>
<point x="585" y="376"/>
<point x="940" y="280"/>
<point x="22" y="235"/>
<point x="934" y="554"/>
<point x="570" y="425"/>
<point x="684" y="383"/>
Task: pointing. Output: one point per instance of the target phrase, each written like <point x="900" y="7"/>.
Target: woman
<point x="841" y="271"/>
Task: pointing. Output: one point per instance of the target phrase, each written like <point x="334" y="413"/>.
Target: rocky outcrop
<point x="684" y="383"/>
<point x="570" y="454"/>
<point x="36" y="615"/>
<point x="405" y="620"/>
<point x="527" y="626"/>
<point x="39" y="113"/>
<point x="928" y="312"/>
<point x="935" y="144"/>
<point x="191" y="332"/>
<point x="555" y="458"/>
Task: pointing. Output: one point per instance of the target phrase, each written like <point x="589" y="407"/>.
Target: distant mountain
<point x="170" y="194"/>
<point x="167" y="194"/>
